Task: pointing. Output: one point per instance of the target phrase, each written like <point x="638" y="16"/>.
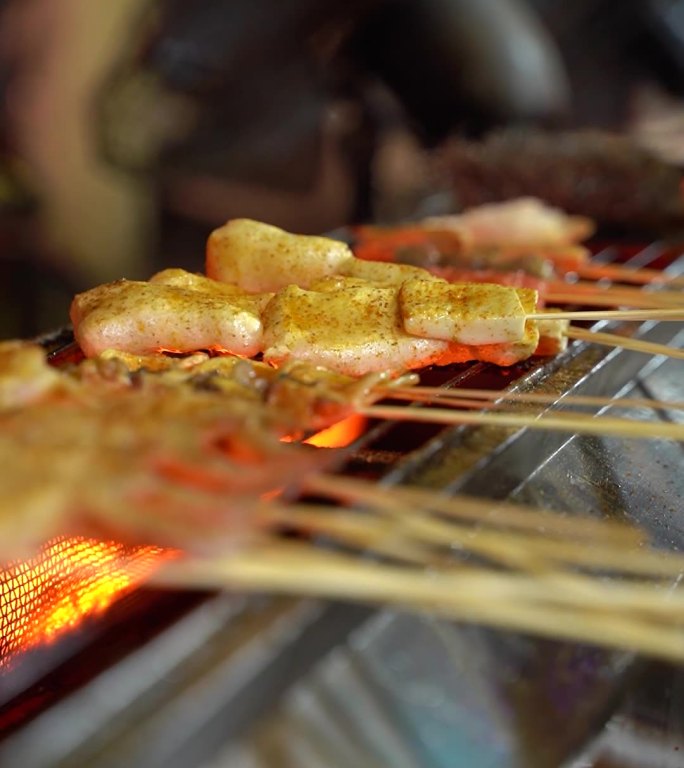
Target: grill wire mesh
<point x="70" y="579"/>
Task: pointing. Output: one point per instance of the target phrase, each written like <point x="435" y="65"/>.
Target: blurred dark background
<point x="129" y="130"/>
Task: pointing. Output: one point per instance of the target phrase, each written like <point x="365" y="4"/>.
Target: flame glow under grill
<point x="70" y="579"/>
<point x="339" y="435"/>
<point x="67" y="581"/>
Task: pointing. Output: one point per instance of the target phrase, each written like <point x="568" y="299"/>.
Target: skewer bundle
<point x="503" y="566"/>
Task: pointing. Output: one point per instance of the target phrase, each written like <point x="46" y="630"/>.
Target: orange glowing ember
<point x="340" y="434"/>
<point x="69" y="580"/>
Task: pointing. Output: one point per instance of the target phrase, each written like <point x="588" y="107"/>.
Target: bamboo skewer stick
<point x="583" y="289"/>
<point x="610" y="299"/>
<point x="406" y="499"/>
<point x="608" y="550"/>
<point x="618" y="314"/>
<point x="440" y="394"/>
<point x="416" y="538"/>
<point x="612" y="615"/>
<point x="369" y="534"/>
<point x="603" y="426"/>
<point x="613" y="340"/>
<point x="524" y="550"/>
<point x="503" y="401"/>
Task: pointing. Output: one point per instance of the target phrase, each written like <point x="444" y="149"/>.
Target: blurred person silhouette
<point x="82" y="220"/>
<point x="55" y="53"/>
<point x="612" y="51"/>
<point x="297" y="112"/>
<point x="278" y="111"/>
<point x="619" y="155"/>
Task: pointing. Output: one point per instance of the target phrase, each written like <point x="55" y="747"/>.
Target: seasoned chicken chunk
<point x="260" y="258"/>
<point x="467" y="313"/>
<point x="196" y="282"/>
<point x="525" y="221"/>
<point x="385" y="273"/>
<point x="352" y="326"/>
<point x="140" y="318"/>
<point x="505" y="353"/>
<point x="356" y="327"/>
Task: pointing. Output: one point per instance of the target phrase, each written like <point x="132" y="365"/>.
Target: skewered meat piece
<point x="404" y="318"/>
<point x="182" y="312"/>
<point x="606" y="177"/>
<point x="355" y="327"/>
<point x="525" y="222"/>
<point x="468" y="313"/>
<point x="503" y="353"/>
<point x="260" y="257"/>
<point x="519" y="234"/>
<point x="297" y="395"/>
<point x="142" y="317"/>
<point x="307" y="398"/>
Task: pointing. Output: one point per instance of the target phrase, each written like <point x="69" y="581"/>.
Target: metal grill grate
<point x="206" y="680"/>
